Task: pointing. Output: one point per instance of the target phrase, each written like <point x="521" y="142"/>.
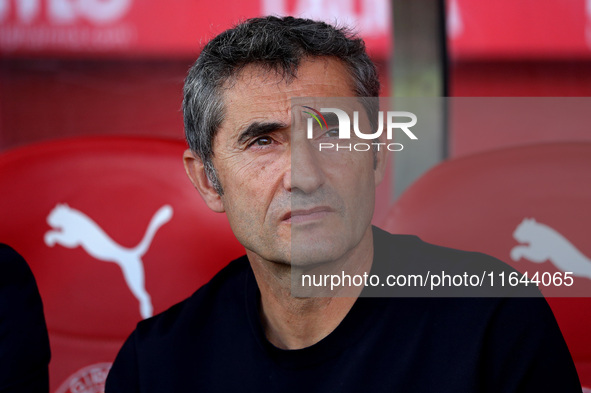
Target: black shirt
<point x="214" y="342"/>
<point x="24" y="343"/>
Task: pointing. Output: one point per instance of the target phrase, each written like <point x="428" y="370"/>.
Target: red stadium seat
<point x="528" y="206"/>
<point x="114" y="232"/>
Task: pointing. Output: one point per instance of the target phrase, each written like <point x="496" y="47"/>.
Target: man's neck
<point x="296" y="322"/>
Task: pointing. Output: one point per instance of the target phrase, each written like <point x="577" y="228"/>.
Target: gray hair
<point x="275" y="43"/>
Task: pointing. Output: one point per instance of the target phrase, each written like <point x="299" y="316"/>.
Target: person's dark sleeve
<point x="525" y="351"/>
<point x="123" y="376"/>
<point x="24" y="343"/>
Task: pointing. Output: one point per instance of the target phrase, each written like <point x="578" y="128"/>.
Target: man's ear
<point x="196" y="172"/>
<point x="381" y="160"/>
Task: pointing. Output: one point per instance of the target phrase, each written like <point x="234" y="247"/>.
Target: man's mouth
<point x="305" y="215"/>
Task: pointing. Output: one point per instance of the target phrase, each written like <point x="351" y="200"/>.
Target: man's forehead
<point x="314" y="74"/>
<point x="258" y="92"/>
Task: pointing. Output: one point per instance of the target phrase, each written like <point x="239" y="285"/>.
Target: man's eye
<point x="262" y="141"/>
<point x="332" y="133"/>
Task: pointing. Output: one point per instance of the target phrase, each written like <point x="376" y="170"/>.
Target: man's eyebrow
<point x="331" y="118"/>
<point x="257" y="129"/>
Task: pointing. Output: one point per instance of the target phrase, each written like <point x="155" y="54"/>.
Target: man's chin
<point x="310" y="248"/>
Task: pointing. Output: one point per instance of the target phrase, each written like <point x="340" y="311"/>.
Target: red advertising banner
<point x="91" y="28"/>
<point x="95" y="28"/>
<point x="526" y="29"/>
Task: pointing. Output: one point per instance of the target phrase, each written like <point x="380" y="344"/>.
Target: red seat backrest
<point x="114" y="231"/>
<point x="478" y="203"/>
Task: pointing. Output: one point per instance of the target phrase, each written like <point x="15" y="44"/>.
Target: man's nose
<point x="305" y="170"/>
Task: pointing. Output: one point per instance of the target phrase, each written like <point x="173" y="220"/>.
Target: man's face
<point x="285" y="201"/>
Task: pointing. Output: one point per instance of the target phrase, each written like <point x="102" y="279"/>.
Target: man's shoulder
<point x="412" y="247"/>
<point x="460" y="301"/>
<point x="221" y="292"/>
<point x="445" y="271"/>
<point x="22" y="326"/>
<point x="13" y="267"/>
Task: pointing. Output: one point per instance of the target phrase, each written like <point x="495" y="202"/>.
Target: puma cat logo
<point x="455" y="26"/>
<point x="72" y="228"/>
<point x="544" y="243"/>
